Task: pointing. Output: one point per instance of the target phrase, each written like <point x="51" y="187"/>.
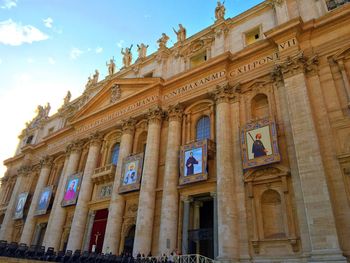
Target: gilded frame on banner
<point x="20" y="204"/>
<point x="43" y="201"/>
<point x="194" y="162"/>
<point x="130" y="179"/>
<point x="71" y="190"/>
<point x="259" y="145"/>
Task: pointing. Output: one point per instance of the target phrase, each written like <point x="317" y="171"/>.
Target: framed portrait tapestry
<point x="130" y="179"/>
<point x="21" y="202"/>
<point x="71" y="191"/>
<point x="259" y="144"/>
<point x="44" y="201"/>
<point x="193" y="162"/>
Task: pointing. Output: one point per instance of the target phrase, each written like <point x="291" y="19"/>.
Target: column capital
<point x="175" y="112"/>
<point x="274" y="3"/>
<point x="186" y="199"/>
<point x="24" y="170"/>
<point x="299" y="63"/>
<point x="225" y="92"/>
<point x="46" y="162"/>
<point x="128" y="126"/>
<point x="155" y="115"/>
<point x="213" y="194"/>
<point x="95" y="138"/>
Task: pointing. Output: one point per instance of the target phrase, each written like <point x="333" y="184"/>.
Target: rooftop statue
<point x="181" y="33"/>
<point x="111" y="66"/>
<point x="127" y="56"/>
<point x="66" y="99"/>
<point x="95" y="77"/>
<point x="163" y="40"/>
<point x="142" y="50"/>
<point x="220" y="11"/>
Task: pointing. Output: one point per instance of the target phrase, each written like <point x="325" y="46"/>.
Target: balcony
<point x="103" y="174"/>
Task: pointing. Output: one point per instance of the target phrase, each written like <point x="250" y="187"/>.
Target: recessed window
<point x="29" y="139"/>
<point x="198" y="59"/>
<point x="51" y="130"/>
<point x="203" y="128"/>
<point x="148" y="75"/>
<point x="252" y="36"/>
<point x="333" y="4"/>
<point x="115" y="154"/>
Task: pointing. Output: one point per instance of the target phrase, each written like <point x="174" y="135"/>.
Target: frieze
<point x="194" y="85"/>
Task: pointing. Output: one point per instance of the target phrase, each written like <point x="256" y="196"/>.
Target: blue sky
<point x="48" y="47"/>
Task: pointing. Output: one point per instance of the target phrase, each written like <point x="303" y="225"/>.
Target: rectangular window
<point x="333" y="4"/>
<point x="198" y="59"/>
<point x="252" y="36"/>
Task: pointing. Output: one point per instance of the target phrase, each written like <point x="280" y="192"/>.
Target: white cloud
<point x="75" y="53"/>
<point x="120" y="43"/>
<point x="48" y="22"/>
<point x="98" y="50"/>
<point x="51" y="61"/>
<point x="8" y="4"/>
<point x="16" y="34"/>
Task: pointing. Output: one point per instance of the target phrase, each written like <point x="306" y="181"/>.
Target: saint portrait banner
<point x="193" y="162"/>
<point x="71" y="191"/>
<point x="130" y="179"/>
<point x="21" y="202"/>
<point x="259" y="144"/>
<point x="43" y="201"/>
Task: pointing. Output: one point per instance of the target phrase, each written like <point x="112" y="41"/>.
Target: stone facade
<point x="287" y="61"/>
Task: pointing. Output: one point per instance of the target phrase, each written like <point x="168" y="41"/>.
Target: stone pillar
<point x="185" y="224"/>
<point x="145" y="213"/>
<point x="196" y="221"/>
<point x="281" y="10"/>
<point x="345" y="78"/>
<point x="29" y="225"/>
<point x="81" y="210"/>
<point x="117" y="203"/>
<point x="227" y="211"/>
<point x="215" y="223"/>
<point x="7" y="223"/>
<point x="37" y="233"/>
<point x="320" y="219"/>
<point x="88" y="231"/>
<point x="170" y="199"/>
<point x="58" y="215"/>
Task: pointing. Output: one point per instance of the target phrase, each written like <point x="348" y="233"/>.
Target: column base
<point x="327" y="256"/>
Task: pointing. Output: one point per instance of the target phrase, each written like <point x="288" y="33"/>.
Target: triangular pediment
<point x="112" y="93"/>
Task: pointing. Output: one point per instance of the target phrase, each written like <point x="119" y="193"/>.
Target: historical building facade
<point x="234" y="144"/>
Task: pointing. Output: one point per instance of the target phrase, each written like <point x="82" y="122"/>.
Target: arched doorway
<point x="129" y="240"/>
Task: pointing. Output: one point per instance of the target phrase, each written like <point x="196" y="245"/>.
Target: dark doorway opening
<point x="201" y="239"/>
<point x="129" y="240"/>
<point x="98" y="231"/>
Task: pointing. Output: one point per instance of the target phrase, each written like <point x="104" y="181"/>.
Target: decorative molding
<point x="116" y="93"/>
<point x="24" y="170"/>
<point x="274" y="3"/>
<point x="96" y="139"/>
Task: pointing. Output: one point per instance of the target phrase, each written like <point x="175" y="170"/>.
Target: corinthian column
<point x="29" y="225"/>
<point x="145" y="213"/>
<point x="7" y="223"/>
<point x="227" y="212"/>
<point x="81" y="210"/>
<point x="168" y="221"/>
<point x="117" y="203"/>
<point x="58" y="214"/>
<point x="322" y="237"/>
